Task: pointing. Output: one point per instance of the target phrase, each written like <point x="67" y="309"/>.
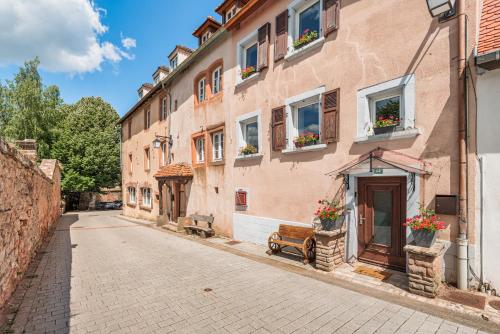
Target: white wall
<point x="488" y="90"/>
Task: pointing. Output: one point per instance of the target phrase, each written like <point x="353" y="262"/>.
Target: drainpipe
<point x="462" y="241"/>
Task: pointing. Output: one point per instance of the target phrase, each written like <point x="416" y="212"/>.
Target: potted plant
<point x="307" y="37"/>
<point x="424" y="227"/>
<point x="330" y="215"/>
<point x="246" y="72"/>
<point x="247" y="150"/>
<point x="307" y="139"/>
<point x="385" y="124"/>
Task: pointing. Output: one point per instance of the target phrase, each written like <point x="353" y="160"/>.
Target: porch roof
<point x="384" y="159"/>
<point x="175" y="171"/>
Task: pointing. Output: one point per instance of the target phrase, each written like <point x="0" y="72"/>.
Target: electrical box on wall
<point x="447" y="205"/>
<point x="241" y="198"/>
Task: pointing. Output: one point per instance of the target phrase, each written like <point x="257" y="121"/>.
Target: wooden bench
<point x="300" y="238"/>
<point x="204" y="232"/>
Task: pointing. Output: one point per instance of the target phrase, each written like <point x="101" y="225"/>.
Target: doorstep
<point x="395" y="287"/>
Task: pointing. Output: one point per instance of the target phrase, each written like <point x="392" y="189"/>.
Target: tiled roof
<point x="180" y="170"/>
<point x="489" y="30"/>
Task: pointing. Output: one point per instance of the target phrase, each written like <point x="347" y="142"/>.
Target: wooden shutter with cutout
<point x="331" y="101"/>
<point x="263" y="45"/>
<point x="331" y="10"/>
<point x="278" y="124"/>
<point x="281" y="44"/>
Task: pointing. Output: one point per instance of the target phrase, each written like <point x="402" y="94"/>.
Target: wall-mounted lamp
<point x="442" y="8"/>
<point x="160" y="139"/>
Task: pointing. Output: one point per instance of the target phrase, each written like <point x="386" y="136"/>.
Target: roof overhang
<point x="244" y="13"/>
<point x="210" y="22"/>
<point x="380" y="159"/>
<point x="489" y="61"/>
<point x="178" y="172"/>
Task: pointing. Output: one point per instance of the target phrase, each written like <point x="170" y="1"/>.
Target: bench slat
<point x="295" y="232"/>
<point x="208" y="219"/>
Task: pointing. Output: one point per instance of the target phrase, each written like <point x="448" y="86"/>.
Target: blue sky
<point x="156" y="25"/>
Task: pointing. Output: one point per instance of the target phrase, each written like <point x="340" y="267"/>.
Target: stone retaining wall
<point x="30" y="199"/>
<point x="329" y="249"/>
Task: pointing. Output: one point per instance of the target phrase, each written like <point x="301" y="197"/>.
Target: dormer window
<point x="157" y="79"/>
<point x="174" y="62"/>
<point x="205" y="37"/>
<point x="141" y="94"/>
<point x="231" y="13"/>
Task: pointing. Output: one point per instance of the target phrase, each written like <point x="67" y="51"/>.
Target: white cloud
<point x="129" y="43"/>
<point x="65" y="35"/>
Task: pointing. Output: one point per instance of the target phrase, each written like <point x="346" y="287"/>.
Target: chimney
<point x="27" y="147"/>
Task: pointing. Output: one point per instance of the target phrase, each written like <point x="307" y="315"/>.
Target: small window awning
<point x="180" y="171"/>
<point x="384" y="159"/>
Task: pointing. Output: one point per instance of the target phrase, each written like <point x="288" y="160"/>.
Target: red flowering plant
<point x="384" y="121"/>
<point x="328" y="210"/>
<point x="426" y="220"/>
<point x="307" y="37"/>
<point x="246" y="72"/>
<point x="306" y="139"/>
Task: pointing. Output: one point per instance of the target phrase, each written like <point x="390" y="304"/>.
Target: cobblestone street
<point x="102" y="274"/>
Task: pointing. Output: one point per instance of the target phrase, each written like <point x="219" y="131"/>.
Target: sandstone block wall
<point x="30" y="198"/>
<point x="330" y="248"/>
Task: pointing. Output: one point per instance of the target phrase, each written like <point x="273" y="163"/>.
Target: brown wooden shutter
<point x="160" y="109"/>
<point x="278" y="124"/>
<point x="264" y="38"/>
<point x="331" y="101"/>
<point x="331" y="9"/>
<point x="241" y="198"/>
<point x="281" y="44"/>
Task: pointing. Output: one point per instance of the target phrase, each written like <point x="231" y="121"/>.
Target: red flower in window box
<point x="246" y="72"/>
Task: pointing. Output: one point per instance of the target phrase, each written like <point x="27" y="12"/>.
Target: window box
<point x="307" y="139"/>
<point x="249" y="156"/>
<point x="384" y="129"/>
<point x="247" y="72"/>
<point x="296" y="53"/>
<point x="306" y="38"/>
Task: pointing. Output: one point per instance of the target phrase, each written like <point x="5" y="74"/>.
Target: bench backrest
<point x="208" y="219"/>
<point x="295" y="232"/>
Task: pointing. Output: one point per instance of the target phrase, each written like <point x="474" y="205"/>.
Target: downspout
<point x="463" y="218"/>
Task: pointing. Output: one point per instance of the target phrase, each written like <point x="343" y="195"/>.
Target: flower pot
<point x="331" y="225"/>
<point x="301" y="145"/>
<point x="385" y="129"/>
<point x="423" y="238"/>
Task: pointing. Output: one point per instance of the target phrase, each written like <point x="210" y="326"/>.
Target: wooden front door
<point x="179" y="202"/>
<point x="382" y="211"/>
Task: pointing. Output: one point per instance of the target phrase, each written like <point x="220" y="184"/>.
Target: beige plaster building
<point x="228" y="118"/>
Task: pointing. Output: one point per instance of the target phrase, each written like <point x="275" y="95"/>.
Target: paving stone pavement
<point x="101" y="274"/>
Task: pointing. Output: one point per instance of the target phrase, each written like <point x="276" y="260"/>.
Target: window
<point x="147" y="159"/>
<point x="205" y="37"/>
<point x="308" y="20"/>
<point x="307" y="119"/>
<point x="250" y="55"/>
<point x="146" y="197"/>
<point x="163" y="109"/>
<point x="387" y="109"/>
<point x="163" y="148"/>
<point x="147" y="118"/>
<point x="216" y="80"/>
<point x="174" y="62"/>
<point x="201" y="90"/>
<point x="218" y="146"/>
<point x="130" y="163"/>
<point x="132" y="198"/>
<point x="249" y="130"/>
<point x="175" y="105"/>
<point x="231" y="13"/>
<point x="130" y="128"/>
<point x="247" y="55"/>
<point x="157" y="79"/>
<point x="200" y="150"/>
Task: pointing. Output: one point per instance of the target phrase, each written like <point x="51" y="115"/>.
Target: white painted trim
<point x="293" y="8"/>
<point x="240" y="54"/>
<point x="296" y="53"/>
<point x="304" y="96"/>
<point x="403" y="134"/>
<point x="408" y="88"/>
<point x="311" y="148"/>
<point x="239" y="133"/>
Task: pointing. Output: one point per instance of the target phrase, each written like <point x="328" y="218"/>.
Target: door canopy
<point x="179" y="172"/>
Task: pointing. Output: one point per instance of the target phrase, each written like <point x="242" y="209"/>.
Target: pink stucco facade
<point x="378" y="46"/>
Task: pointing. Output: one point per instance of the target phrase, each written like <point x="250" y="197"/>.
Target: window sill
<point x="146" y="208"/>
<point x="243" y="82"/>
<point x="305" y="49"/>
<point x="249" y="156"/>
<point x="132" y="205"/>
<point x="402" y="134"/>
<point x="217" y="163"/>
<point x="311" y="148"/>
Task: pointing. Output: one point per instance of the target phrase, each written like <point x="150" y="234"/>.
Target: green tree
<point x="28" y="109"/>
<point x="88" y="146"/>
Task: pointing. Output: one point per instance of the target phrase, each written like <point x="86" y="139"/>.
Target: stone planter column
<point x="329" y="249"/>
<point x="424" y="269"/>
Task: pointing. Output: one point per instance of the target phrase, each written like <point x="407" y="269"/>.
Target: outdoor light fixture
<point x="441" y="8"/>
<point x="159" y="139"/>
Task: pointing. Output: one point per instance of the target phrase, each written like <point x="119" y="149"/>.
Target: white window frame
<point x="240" y="131"/>
<point x="205" y="37"/>
<point x="231" y="13"/>
<point x="174" y="62"/>
<point x="163" y="148"/>
<point x="132" y="195"/>
<point x="200" y="149"/>
<point x="216" y="76"/>
<point x="291" y="107"/>
<point x="218" y="147"/>
<point x="201" y="90"/>
<point x="387" y="95"/>
<point x="146" y="200"/>
<point x="241" y="48"/>
<point x="366" y="97"/>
